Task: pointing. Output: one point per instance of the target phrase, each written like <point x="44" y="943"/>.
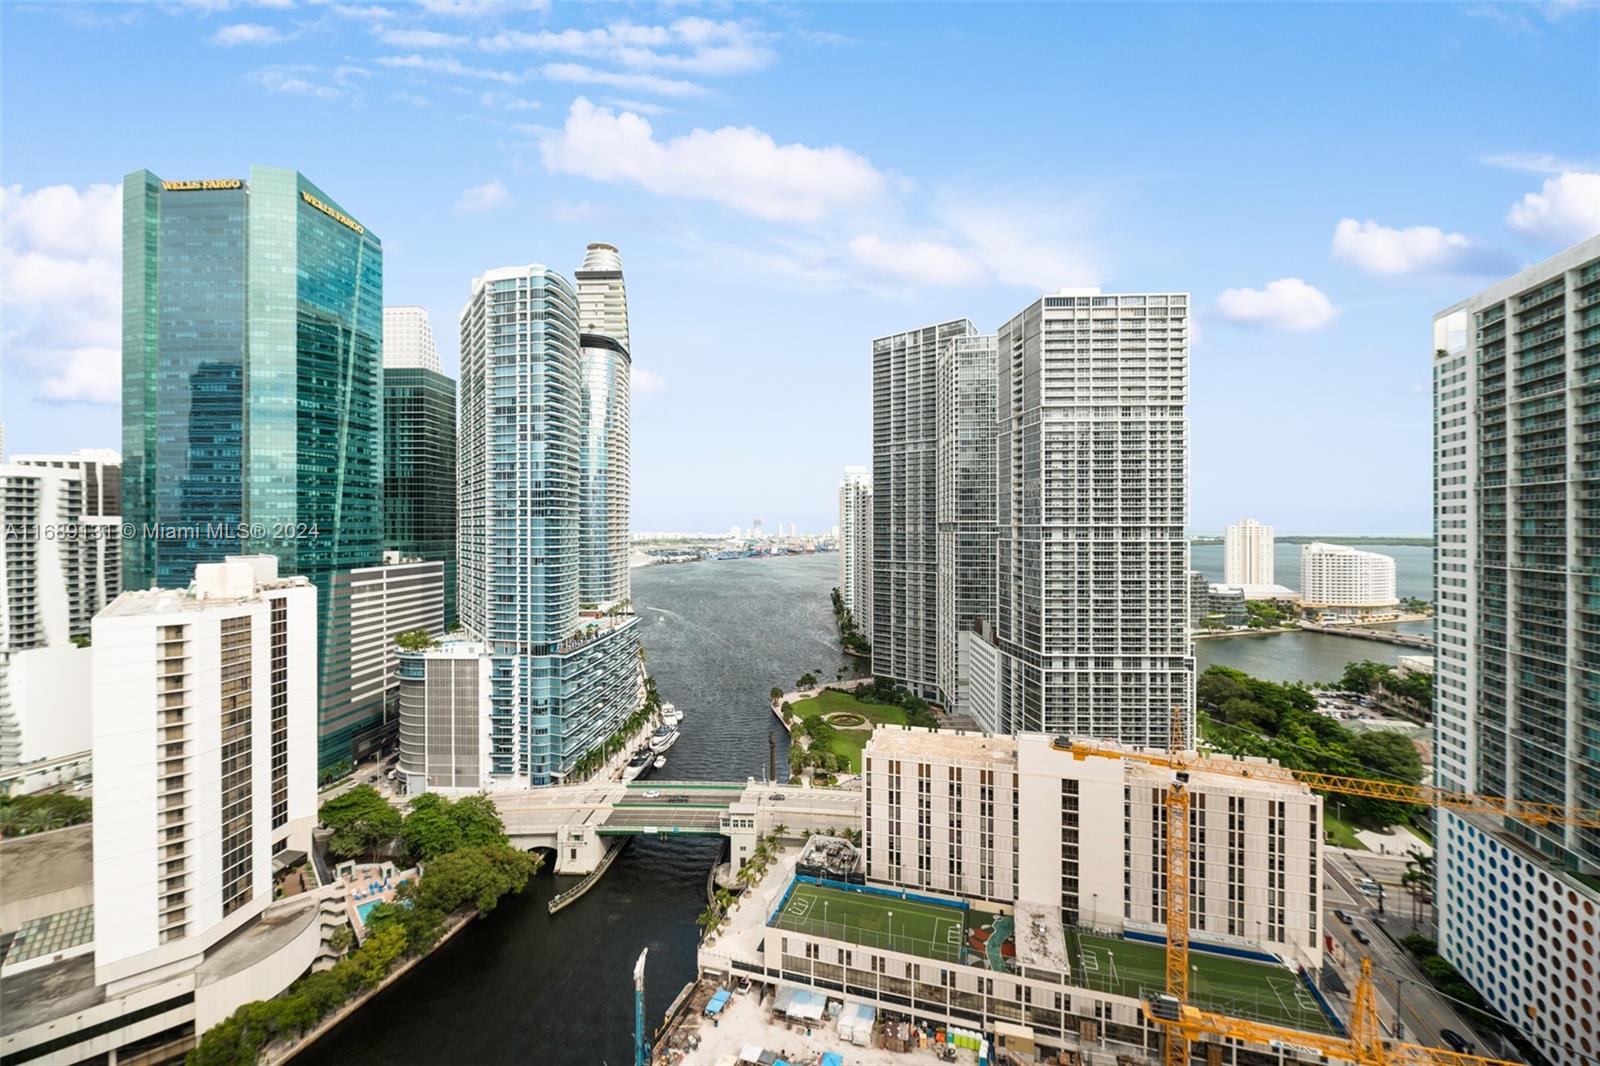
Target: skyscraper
<point x="1247" y="554"/>
<point x="905" y="504"/>
<point x="855" y="545"/>
<point x="1517" y="710"/>
<point x="561" y="678"/>
<point x="419" y="448"/>
<point x="604" y="450"/>
<point x="966" y="503"/>
<point x="251" y="399"/>
<point x="1091" y="618"/>
<point x="1338" y="580"/>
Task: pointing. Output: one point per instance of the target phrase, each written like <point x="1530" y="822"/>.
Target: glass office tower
<point x="419" y="448"/>
<point x="252" y="376"/>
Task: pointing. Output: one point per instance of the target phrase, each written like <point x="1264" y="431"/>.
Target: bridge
<point x="580" y="822"/>
<point x="1383" y="636"/>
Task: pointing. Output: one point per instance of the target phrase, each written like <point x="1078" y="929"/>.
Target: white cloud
<point x="691" y="45"/>
<point x="638" y="106"/>
<point x="508" y="102"/>
<point x="1029" y="245"/>
<point x="249" y="33"/>
<point x="448" y="65"/>
<point x="580" y="74"/>
<point x="924" y="262"/>
<point x="294" y="79"/>
<point x="415" y="38"/>
<point x="1380" y="249"/>
<point x="61" y="287"/>
<point x="361" y="11"/>
<point x="1566" y="209"/>
<point x="1533" y="162"/>
<point x="474" y="9"/>
<point x="646" y="382"/>
<point x="1287" y="303"/>
<point x="486" y="197"/>
<point x="741" y="167"/>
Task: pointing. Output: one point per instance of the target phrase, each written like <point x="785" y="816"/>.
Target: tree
<point x="479" y="821"/>
<point x="807" y="680"/>
<point x="477" y="876"/>
<point x="1362" y="677"/>
<point x="362" y="822"/>
<point x="1388" y="755"/>
<point x="416" y="640"/>
<point x="430" y="830"/>
<point x="1248" y="713"/>
<point x="777" y="693"/>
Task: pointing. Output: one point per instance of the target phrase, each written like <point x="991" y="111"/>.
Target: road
<point x="1400" y="985"/>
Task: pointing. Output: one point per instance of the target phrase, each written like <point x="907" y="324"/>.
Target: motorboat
<point x="670" y="714"/>
<point x="661" y="762"/>
<point x="637" y="765"/>
<point x="663" y="738"/>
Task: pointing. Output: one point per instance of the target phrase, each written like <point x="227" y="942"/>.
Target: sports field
<point x="872" y="920"/>
<point x="1233" y="986"/>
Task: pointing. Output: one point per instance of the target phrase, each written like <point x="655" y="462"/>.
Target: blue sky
<point x="786" y="182"/>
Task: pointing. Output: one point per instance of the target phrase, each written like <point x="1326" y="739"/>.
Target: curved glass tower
<point x="607" y="378"/>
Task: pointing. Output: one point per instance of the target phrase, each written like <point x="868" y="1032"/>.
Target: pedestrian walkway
<point x="1400" y="842"/>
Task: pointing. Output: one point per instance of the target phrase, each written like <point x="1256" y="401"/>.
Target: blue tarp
<point x="832" y="1058"/>
<point x="718" y="1001"/>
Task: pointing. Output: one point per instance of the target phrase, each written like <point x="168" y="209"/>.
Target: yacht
<point x="661" y="762"/>
<point x="663" y="738"/>
<point x="638" y="764"/>
<point x="670" y="714"/>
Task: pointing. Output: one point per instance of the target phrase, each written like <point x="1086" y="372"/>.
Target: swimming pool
<point x="365" y="909"/>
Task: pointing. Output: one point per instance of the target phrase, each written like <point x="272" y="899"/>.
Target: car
<point x="372" y="779"/>
<point x="1458" y="1043"/>
<point x="1361" y="937"/>
<point x="776" y="796"/>
<point x="1368" y="886"/>
<point x="677" y="799"/>
<point x="1344" y="916"/>
<point x="653" y="793"/>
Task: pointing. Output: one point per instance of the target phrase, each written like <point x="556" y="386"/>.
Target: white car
<point x="654" y="793"/>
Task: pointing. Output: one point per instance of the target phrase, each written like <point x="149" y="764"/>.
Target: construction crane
<point x="1185" y="1023"/>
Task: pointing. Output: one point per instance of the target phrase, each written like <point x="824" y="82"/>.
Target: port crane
<point x="1184" y="1023"/>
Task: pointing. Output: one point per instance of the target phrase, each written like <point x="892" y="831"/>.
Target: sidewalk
<point x="1399" y="843"/>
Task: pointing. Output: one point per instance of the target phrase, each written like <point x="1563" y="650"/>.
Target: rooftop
<point x="45" y="873"/>
<point x="944" y="744"/>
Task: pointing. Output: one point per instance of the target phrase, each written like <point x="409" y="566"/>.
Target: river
<point x="524" y="987"/>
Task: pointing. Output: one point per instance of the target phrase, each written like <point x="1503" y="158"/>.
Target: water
<point x="1413" y="565"/>
<point x="523" y="986"/>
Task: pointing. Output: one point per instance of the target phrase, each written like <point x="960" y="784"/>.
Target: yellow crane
<point x="1365" y="1045"/>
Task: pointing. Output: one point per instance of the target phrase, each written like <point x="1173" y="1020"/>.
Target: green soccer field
<point x="1238" y="987"/>
<point x="925" y="929"/>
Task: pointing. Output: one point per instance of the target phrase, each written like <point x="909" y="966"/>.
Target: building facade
<point x="101" y="472"/>
<point x="965" y="552"/>
<point x="905" y="504"/>
<point x="205" y="746"/>
<point x="59" y="565"/>
<point x="1092" y="575"/>
<point x="604" y="455"/>
<point x="443" y="737"/>
<point x="419" y="448"/>
<point x="1247" y="554"/>
<point x="562" y="677"/>
<point x="372" y="606"/>
<point x="252" y="381"/>
<point x="1340" y="580"/>
<point x="602" y="294"/>
<point x="1517" y="710"/>
<point x="855" y="545"/>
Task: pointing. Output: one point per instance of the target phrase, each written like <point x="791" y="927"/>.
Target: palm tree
<point x="778" y="830"/>
<point x="709" y="919"/>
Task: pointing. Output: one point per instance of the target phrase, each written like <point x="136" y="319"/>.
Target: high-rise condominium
<point x="1517" y="578"/>
<point x="966" y="404"/>
<point x="252" y="382"/>
<point x="1247" y="554"/>
<point x="1091" y="626"/>
<point x="855" y="546"/>
<point x="561" y="678"/>
<point x="419" y="447"/>
<point x="905" y="504"/>
<point x="607" y="368"/>
<point x="1336" y="579"/>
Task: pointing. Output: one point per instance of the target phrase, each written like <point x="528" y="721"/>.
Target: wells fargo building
<point x="252" y="390"/>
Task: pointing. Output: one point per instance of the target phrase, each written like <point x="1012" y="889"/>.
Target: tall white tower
<point x="1247" y="548"/>
<point x="408" y="340"/>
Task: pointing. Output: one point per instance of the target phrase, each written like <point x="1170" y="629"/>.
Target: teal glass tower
<point x="251" y="383"/>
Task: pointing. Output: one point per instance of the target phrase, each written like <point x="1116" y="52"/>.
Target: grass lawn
<point x="1341" y="834"/>
<point x="925" y="929"/>
<point x="848" y="742"/>
<point x="1239" y="987"/>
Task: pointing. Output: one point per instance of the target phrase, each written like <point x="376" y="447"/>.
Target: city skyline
<point x="1302" y="288"/>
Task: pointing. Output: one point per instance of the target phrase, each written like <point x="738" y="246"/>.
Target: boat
<point x="670" y="714"/>
<point x="661" y="762"/>
<point x="663" y="738"/>
<point x="636" y="765"/>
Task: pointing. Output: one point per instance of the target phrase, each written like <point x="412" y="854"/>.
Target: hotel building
<point x="1340" y="581"/>
<point x="1517" y="711"/>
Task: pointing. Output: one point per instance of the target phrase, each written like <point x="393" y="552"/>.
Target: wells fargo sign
<point x="333" y="213"/>
<point x="209" y="183"/>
